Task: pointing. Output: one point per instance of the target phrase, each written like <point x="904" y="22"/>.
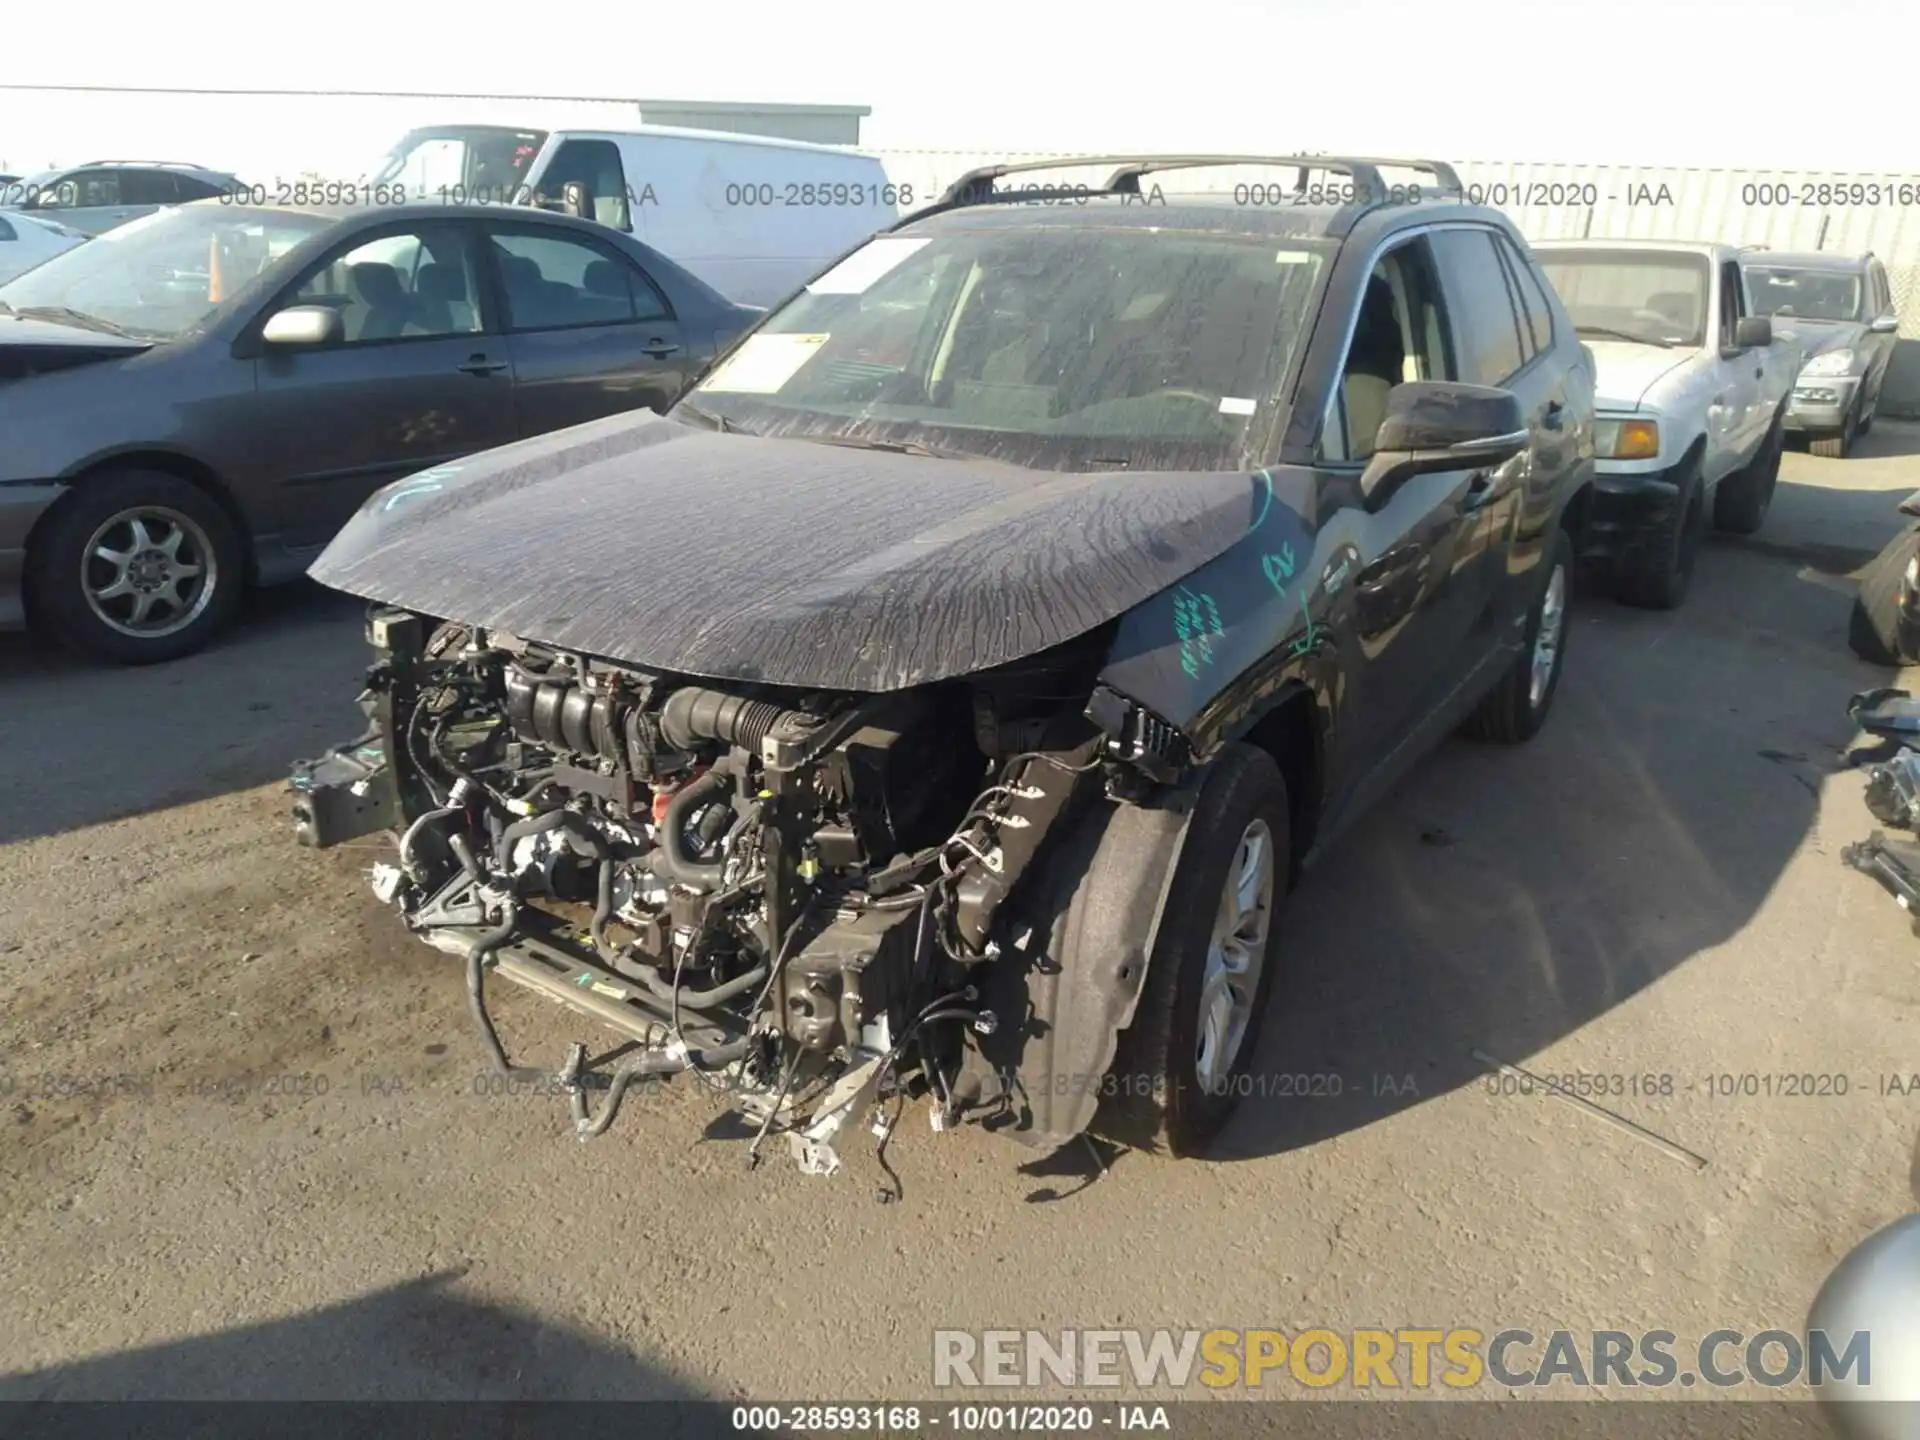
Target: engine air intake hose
<point x="694" y="715"/>
<point x="671" y="861"/>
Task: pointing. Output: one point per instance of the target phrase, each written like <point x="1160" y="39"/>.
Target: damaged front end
<point x="817" y="901"/>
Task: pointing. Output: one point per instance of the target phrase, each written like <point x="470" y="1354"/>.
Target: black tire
<point x="1655" y="575"/>
<point x="1873" y="627"/>
<point x="1837" y="446"/>
<point x="62" y="565"/>
<point x="1741" y="503"/>
<point x="1156" y="1102"/>
<point x="1511" y="713"/>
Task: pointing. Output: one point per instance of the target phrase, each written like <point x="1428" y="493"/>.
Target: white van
<point x="752" y="216"/>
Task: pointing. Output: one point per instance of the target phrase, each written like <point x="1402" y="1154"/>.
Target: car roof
<point x="1811" y="260"/>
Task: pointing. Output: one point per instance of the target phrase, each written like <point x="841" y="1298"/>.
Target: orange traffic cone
<point x="216" y="283"/>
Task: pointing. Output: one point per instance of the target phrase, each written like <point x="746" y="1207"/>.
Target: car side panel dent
<point x="1201" y="654"/>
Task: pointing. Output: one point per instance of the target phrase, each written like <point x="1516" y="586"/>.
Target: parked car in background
<point x="1692" y="404"/>
<point x="195" y="401"/>
<point x="1840" y="309"/>
<point x="101" y="194"/>
<point x="751" y="215"/>
<point x="27" y="240"/>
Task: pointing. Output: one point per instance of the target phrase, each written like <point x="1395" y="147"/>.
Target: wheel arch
<point x="196" y="473"/>
<point x="1293" y="730"/>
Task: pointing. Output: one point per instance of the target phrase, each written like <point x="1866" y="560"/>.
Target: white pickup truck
<point x="1690" y="402"/>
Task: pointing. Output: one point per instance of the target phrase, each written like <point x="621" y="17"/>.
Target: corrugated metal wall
<point x="1782" y="209"/>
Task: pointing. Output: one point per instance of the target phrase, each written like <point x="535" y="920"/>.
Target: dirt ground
<point x="247" y="1149"/>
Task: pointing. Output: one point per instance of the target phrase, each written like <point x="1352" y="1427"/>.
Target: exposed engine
<point x="791" y="894"/>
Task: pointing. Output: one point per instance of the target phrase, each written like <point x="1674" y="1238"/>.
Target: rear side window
<point x="193" y="188"/>
<point x="562" y="282"/>
<point x="148" y="187"/>
<point x="1480" y="302"/>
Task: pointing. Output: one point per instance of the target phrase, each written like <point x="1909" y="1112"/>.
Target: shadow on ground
<point x="1500" y="899"/>
<point x="82" y="742"/>
<point x="422" y="1340"/>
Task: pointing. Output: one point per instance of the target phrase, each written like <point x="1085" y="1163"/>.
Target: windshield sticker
<point x="857" y="273"/>
<point x="1234" y="405"/>
<point x="764" y="363"/>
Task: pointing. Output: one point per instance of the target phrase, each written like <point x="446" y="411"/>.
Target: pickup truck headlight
<point x="1829" y="362"/>
<point x="1626" y="439"/>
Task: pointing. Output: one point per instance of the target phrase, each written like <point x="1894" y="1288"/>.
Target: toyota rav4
<point x="943" y="698"/>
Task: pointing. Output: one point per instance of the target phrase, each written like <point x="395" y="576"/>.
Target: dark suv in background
<point x="101" y="194"/>
<point x="1839" y="309"/>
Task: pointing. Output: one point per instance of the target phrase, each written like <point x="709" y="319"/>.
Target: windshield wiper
<point x="896" y="447"/>
<point x="717" y="421"/>
<point x="1624" y="335"/>
<point x="73" y="317"/>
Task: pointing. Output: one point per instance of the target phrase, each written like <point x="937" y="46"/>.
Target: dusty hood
<point x="783" y="561"/>
<point x="36" y="347"/>
<point x="1628" y="371"/>
<point x="1812" y="337"/>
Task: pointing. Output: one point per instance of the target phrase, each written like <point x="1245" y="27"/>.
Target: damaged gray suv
<point x="943" y="698"/>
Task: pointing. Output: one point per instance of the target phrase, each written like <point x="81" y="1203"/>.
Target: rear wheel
<point x="1656" y="574"/>
<point x="1181" y="1067"/>
<point x="1515" y="709"/>
<point x="1741" y="503"/>
<point x="137" y="566"/>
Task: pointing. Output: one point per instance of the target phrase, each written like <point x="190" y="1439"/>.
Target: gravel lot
<point x="241" y="1152"/>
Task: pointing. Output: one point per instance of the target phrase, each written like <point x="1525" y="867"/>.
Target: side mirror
<point x="1755" y="332"/>
<point x="1885" y="325"/>
<point x="304" y="326"/>
<point x="1911" y="505"/>
<point x="575" y="201"/>
<point x="1434" y="425"/>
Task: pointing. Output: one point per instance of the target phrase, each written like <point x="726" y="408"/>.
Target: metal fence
<point x="1781" y="209"/>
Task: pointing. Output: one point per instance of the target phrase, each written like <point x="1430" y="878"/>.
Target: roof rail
<point x="976" y="186"/>
<point x="154" y="164"/>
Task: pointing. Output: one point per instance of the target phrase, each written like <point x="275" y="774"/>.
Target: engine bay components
<point x="791" y="895"/>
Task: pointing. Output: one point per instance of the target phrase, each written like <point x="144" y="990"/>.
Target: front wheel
<point x="136" y="567"/>
<point x="1182" y="1066"/>
<point x="1741" y="502"/>
<point x="1840" y="446"/>
<point x="1656" y="574"/>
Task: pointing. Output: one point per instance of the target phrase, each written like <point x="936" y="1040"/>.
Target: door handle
<point x="659" y="349"/>
<point x="481" y="365"/>
<point x="1760" y="374"/>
